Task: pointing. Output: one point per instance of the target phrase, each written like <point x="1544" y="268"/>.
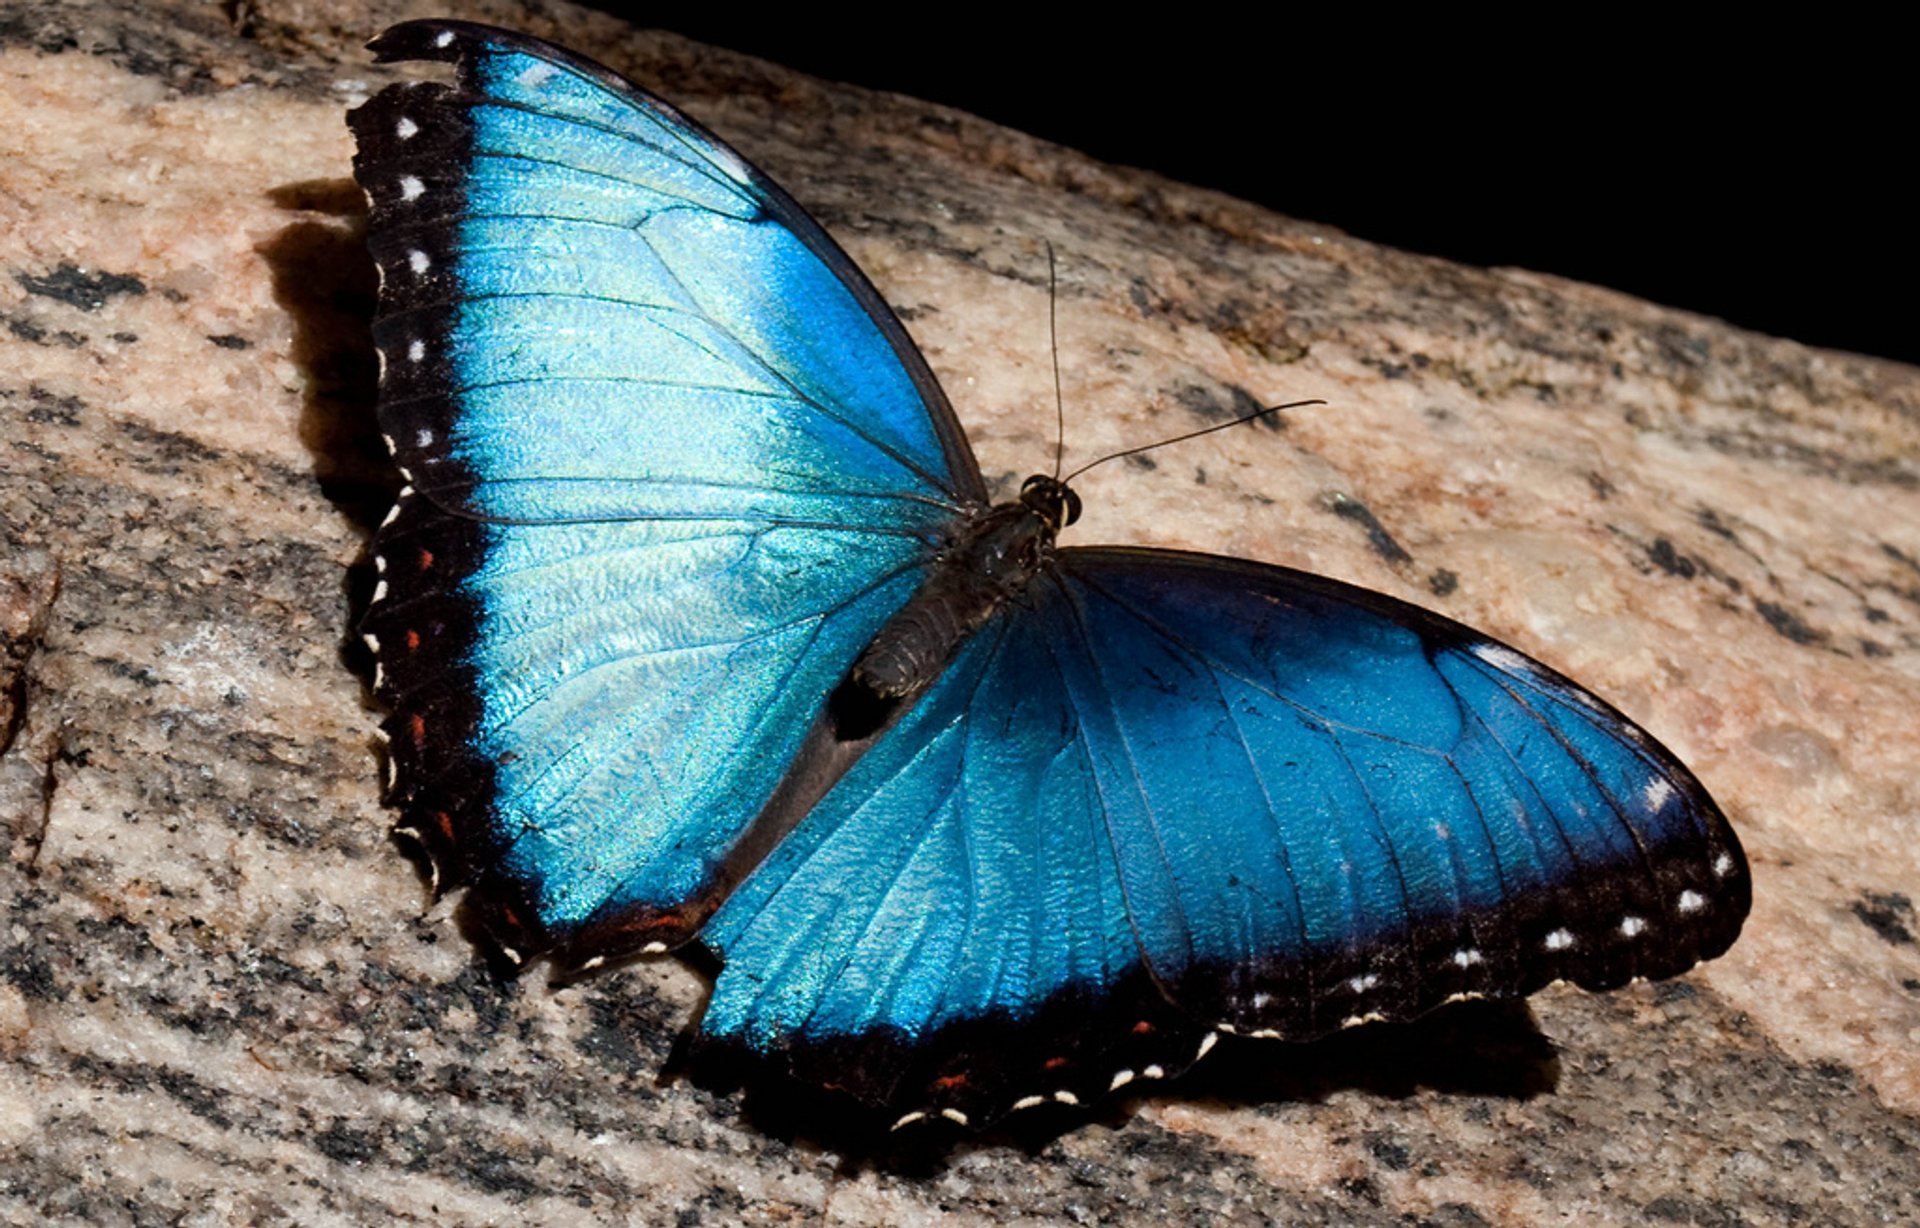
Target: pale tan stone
<point x="220" y="999"/>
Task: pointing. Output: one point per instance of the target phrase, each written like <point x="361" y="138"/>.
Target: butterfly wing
<point x="671" y="464"/>
<point x="1174" y="793"/>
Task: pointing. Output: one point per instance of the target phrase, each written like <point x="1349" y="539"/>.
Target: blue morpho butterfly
<point x="697" y="626"/>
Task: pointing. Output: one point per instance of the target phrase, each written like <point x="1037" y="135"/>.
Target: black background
<point x="1757" y="176"/>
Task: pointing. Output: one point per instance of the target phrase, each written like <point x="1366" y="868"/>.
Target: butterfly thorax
<point x="990" y="561"/>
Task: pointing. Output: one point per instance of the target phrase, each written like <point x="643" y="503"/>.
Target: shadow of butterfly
<point x="697" y="625"/>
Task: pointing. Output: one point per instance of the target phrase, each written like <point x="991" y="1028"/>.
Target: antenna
<point x="1205" y="430"/>
<point x="1053" y="344"/>
<point x="1060" y="403"/>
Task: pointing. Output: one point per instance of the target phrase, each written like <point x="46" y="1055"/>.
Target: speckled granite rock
<point x="220" y="1001"/>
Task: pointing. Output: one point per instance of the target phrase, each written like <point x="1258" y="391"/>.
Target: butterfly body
<point x="991" y="562"/>
<point x="696" y="624"/>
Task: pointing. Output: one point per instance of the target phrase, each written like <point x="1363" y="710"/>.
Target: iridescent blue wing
<point x="592" y="308"/>
<point x="1173" y="794"/>
<point x="671" y="463"/>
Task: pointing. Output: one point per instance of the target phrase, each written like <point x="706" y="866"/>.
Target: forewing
<point x="1330" y="806"/>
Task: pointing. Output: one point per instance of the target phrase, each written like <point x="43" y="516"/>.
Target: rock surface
<point x="221" y="1000"/>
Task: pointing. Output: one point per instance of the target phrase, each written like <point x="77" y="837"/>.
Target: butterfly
<point x="697" y="628"/>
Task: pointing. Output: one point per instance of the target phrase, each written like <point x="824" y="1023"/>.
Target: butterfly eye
<point x="1052" y="499"/>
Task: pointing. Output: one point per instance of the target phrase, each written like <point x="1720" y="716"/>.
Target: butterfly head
<point x="1050" y="499"/>
<point x="1010" y="542"/>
